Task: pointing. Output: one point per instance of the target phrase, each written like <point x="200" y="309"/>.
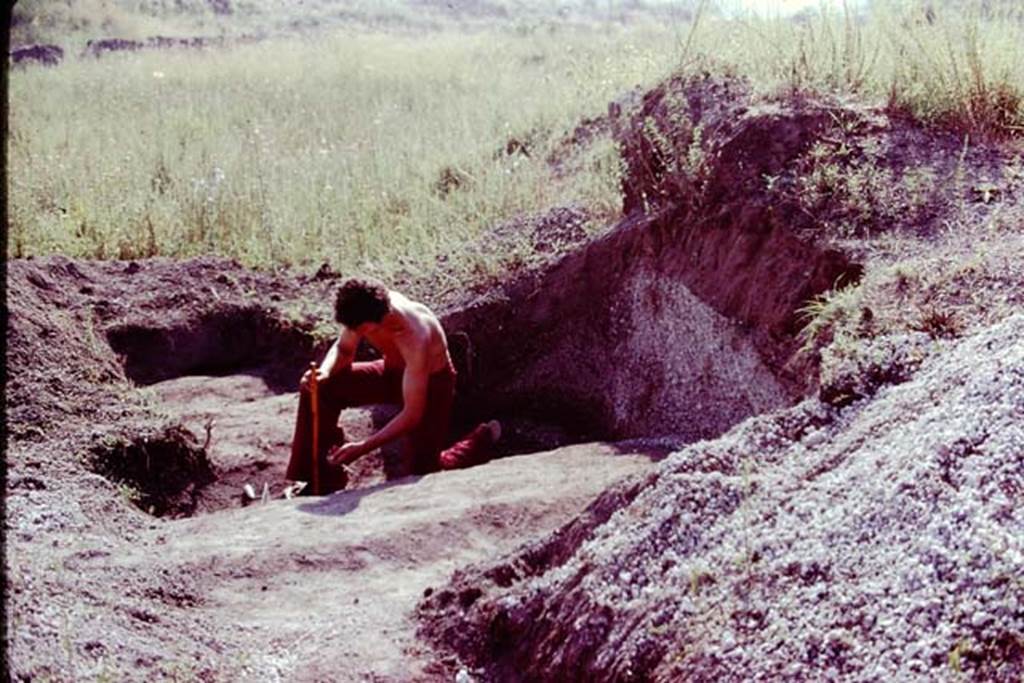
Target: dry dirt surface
<point x="815" y="307"/>
<point x="882" y="541"/>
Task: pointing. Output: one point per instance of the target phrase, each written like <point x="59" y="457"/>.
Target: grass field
<point x="334" y="145"/>
<point x="293" y="151"/>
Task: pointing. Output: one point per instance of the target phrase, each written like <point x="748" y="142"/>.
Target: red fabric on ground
<point x="368" y="384"/>
<point x="475" y="448"/>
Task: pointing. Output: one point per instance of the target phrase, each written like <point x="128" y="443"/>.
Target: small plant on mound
<point x="852" y="193"/>
<point x="938" y="324"/>
<point x="825" y="314"/>
<point x="160" y="469"/>
<point x="852" y="371"/>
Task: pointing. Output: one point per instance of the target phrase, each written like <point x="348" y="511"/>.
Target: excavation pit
<point x="228" y="378"/>
<point x="678" y="369"/>
<point x="230" y="340"/>
<point x="681" y="321"/>
<point x="633" y="336"/>
<point x="250" y="428"/>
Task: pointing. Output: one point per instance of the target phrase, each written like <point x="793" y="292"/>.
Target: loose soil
<point x="840" y="538"/>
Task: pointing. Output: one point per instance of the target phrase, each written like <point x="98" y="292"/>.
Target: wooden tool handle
<point x="314" y="402"/>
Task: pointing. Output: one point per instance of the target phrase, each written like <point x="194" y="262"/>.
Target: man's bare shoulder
<point x="424" y="336"/>
<point x="413" y="311"/>
<point x="402" y="301"/>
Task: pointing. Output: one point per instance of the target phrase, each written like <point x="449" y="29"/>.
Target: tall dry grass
<point x="958" y="65"/>
<point x="294" y="151"/>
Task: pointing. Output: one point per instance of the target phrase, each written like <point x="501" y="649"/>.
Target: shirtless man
<point x="416" y="371"/>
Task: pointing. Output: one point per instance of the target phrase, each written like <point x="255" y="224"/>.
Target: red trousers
<point x="373" y="383"/>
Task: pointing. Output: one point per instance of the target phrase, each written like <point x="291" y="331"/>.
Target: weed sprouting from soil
<point x="938" y="324"/>
<point x="825" y="313"/>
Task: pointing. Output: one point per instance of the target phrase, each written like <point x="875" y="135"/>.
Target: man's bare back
<point x="410" y="331"/>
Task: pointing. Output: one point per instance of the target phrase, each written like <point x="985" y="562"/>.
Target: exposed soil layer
<point x="684" y="318"/>
<point x="165" y="468"/>
<point x="218" y="342"/>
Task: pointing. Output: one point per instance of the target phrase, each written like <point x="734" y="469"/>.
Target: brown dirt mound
<point x="165" y="468"/>
<point x="81" y="333"/>
<point x="77" y="329"/>
<point x="684" y="318"/>
<point x="803" y="542"/>
<point x="734" y="206"/>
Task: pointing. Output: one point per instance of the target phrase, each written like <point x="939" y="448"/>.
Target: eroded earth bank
<point x="769" y="425"/>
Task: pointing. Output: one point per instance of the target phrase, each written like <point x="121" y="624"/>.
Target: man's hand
<point x="321" y="375"/>
<point x="346" y="453"/>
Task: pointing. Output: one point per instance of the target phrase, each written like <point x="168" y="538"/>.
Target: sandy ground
<point x="324" y="588"/>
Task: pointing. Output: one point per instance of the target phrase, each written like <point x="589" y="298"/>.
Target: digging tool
<point x="314" y="398"/>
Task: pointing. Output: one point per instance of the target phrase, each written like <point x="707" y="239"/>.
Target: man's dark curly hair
<point x="361" y="300"/>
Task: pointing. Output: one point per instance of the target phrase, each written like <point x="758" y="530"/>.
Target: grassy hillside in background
<point x="373" y="135"/>
<point x="329" y="149"/>
<point x="72" y="22"/>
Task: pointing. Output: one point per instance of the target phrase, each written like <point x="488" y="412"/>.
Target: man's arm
<point x="414" y="402"/>
<point x="338" y="357"/>
<point x="341" y="353"/>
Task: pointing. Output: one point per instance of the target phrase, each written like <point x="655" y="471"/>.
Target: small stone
<point x="727" y="640"/>
<point x="814" y="439"/>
